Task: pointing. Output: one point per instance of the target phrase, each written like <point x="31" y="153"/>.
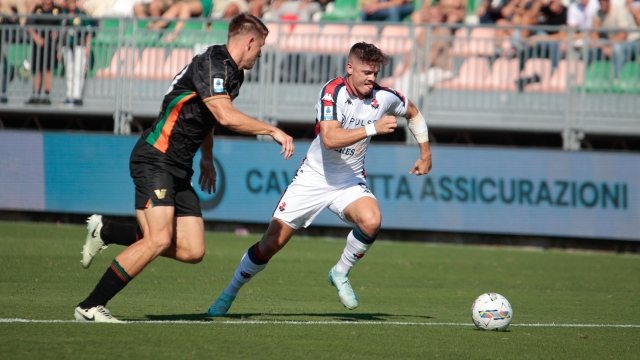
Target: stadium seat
<point x="143" y="36"/>
<point x="366" y="33"/>
<point x="334" y="38"/>
<point x="18" y="53"/>
<point x="107" y="32"/>
<point x="598" y="78"/>
<point x="177" y="60"/>
<point x="504" y="74"/>
<point x="303" y="38"/>
<point x="474" y="73"/>
<point x="277" y="34"/>
<point x="219" y="31"/>
<point x="480" y="42"/>
<point x="150" y="64"/>
<point x="344" y="10"/>
<point x="572" y="71"/>
<point x="394" y="39"/>
<point x="630" y="78"/>
<point x="540" y="68"/>
<point x="130" y="55"/>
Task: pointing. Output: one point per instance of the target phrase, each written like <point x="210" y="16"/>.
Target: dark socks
<point x="120" y="234"/>
<point x="111" y="283"/>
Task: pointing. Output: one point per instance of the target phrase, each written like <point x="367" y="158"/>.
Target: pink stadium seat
<point x="303" y="38"/>
<point x="128" y="54"/>
<point x="480" y="42"/>
<point x="474" y="73"/>
<point x="276" y="33"/>
<point x="558" y="81"/>
<point x="334" y="38"/>
<point x="394" y="39"/>
<point x="541" y="68"/>
<point x="504" y="74"/>
<point x="366" y="33"/>
<point x="177" y="60"/>
<point x="150" y="64"/>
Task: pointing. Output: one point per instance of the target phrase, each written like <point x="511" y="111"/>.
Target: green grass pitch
<point x="414" y="299"/>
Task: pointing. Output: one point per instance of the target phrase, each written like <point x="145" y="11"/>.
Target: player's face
<point x="362" y="76"/>
<point x="254" y="52"/>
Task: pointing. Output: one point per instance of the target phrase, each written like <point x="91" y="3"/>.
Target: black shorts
<point x="43" y="57"/>
<point x="155" y="186"/>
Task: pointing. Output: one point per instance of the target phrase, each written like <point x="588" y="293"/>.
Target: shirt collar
<point x="226" y="53"/>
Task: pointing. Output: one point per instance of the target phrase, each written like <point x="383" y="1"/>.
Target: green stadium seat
<point x="18" y="53"/>
<point x="599" y="78"/>
<point x="107" y="32"/>
<point x="344" y="10"/>
<point x="219" y="31"/>
<point x="630" y="78"/>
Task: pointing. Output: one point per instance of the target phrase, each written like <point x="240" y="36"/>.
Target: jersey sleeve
<point x="398" y="103"/>
<point x="209" y="78"/>
<point x="329" y="107"/>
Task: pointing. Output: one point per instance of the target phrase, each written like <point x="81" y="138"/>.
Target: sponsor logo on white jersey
<point x="327" y="97"/>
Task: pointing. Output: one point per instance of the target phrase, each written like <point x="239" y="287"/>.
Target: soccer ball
<point x="491" y="311"/>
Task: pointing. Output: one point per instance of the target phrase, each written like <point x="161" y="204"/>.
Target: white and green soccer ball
<point x="491" y="311"/>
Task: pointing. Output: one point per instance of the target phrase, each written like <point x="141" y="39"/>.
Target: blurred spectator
<point x="8" y="37"/>
<point x="548" y="43"/>
<point x="581" y="12"/>
<point x="153" y="8"/>
<point x="432" y="69"/>
<point x="619" y="46"/>
<point x="516" y="13"/>
<point x="108" y="8"/>
<point x="19" y="7"/>
<point x="182" y="10"/>
<point x="43" y="51"/>
<point x="76" y="48"/>
<point x="302" y="9"/>
<point x="386" y="10"/>
<point x="490" y="11"/>
<point x="226" y="9"/>
<point x="634" y="8"/>
<point x="453" y="11"/>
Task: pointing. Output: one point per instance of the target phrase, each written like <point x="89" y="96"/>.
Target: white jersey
<point x="337" y="102"/>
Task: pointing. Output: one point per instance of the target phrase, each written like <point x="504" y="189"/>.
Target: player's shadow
<point x="275" y="317"/>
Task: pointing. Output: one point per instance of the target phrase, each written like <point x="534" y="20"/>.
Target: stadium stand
<point x="494" y="82"/>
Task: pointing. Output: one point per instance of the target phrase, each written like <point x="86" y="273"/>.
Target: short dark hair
<point x="368" y="53"/>
<point x="245" y="23"/>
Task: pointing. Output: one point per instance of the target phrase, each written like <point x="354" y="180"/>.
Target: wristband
<point x="371" y="129"/>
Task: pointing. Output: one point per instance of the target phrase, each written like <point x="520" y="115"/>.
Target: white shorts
<point x="308" y="194"/>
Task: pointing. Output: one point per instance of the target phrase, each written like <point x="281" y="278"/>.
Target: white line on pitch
<point x="277" y="322"/>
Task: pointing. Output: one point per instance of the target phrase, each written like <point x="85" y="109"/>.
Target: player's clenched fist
<point x="386" y="125"/>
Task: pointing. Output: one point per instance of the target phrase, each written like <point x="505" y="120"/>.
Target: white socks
<point x="250" y="265"/>
<point x="358" y="243"/>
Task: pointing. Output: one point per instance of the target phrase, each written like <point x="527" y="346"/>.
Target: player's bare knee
<point x="370" y="222"/>
<point x="158" y="242"/>
<point x="195" y="257"/>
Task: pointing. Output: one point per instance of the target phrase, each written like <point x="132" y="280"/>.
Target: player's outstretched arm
<point x="208" y="173"/>
<point x="233" y="119"/>
<point x="418" y="127"/>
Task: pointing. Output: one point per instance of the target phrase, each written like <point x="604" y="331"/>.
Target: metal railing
<point x="462" y="77"/>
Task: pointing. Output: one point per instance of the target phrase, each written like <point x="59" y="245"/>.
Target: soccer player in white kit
<point x="350" y="110"/>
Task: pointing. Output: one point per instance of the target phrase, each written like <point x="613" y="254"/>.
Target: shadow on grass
<point x="287" y="317"/>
